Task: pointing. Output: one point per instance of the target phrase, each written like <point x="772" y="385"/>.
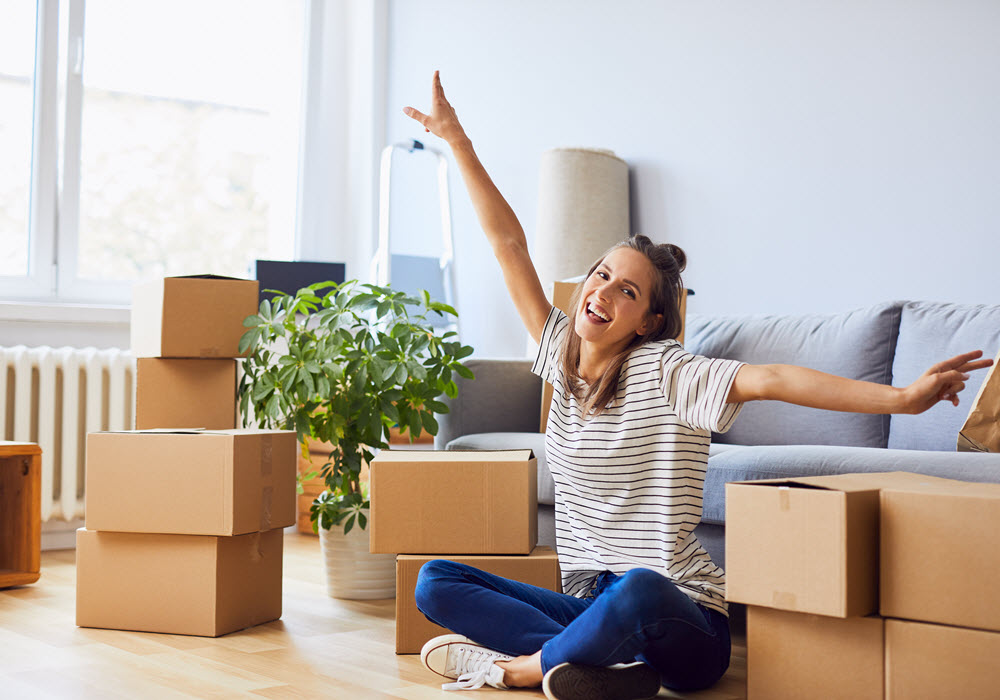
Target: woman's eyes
<point x="628" y="292"/>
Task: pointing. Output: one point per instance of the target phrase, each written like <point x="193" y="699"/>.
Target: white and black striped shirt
<point x="629" y="480"/>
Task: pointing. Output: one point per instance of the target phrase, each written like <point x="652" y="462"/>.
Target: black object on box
<point x="291" y="276"/>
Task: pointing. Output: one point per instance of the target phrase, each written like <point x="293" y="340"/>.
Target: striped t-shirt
<point x="629" y="480"/>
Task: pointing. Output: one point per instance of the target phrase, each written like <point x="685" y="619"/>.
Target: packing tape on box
<point x="256" y="551"/>
<point x="267" y="492"/>
<point x="266" y="454"/>
<point x="266" y="500"/>
<point x="784" y="498"/>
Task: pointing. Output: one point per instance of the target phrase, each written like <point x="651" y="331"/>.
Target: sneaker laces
<point x="475" y="668"/>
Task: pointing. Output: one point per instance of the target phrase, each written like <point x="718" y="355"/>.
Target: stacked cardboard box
<point x="478" y="508"/>
<point x="866" y="585"/>
<point x="184" y="515"/>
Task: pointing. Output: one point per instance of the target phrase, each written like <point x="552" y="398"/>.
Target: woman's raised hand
<point x="442" y="121"/>
<point x="942" y="382"/>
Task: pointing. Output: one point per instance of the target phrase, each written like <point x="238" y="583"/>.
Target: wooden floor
<point x="320" y="648"/>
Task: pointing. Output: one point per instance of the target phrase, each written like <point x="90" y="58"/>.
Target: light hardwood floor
<point x="321" y="647"/>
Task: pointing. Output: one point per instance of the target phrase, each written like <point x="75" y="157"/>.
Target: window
<point x="17" y="59"/>
<point x="166" y="140"/>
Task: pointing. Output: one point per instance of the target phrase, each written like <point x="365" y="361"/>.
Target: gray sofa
<point x="891" y="343"/>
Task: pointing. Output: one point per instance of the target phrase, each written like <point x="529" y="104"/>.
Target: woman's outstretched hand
<point x="442" y="121"/>
<point x="942" y="382"/>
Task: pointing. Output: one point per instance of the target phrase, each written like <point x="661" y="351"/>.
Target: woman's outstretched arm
<point x="498" y="220"/>
<point x="809" y="387"/>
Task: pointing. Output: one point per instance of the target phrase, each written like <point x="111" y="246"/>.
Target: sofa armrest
<point x="505" y="397"/>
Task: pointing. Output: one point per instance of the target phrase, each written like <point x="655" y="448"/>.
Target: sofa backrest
<point x="930" y="332"/>
<point x="504" y="397"/>
<point x="857" y="344"/>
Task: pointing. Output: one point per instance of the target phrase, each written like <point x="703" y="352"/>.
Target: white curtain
<point x="343" y="132"/>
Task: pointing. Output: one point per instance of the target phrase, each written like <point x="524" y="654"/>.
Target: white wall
<point x="808" y="156"/>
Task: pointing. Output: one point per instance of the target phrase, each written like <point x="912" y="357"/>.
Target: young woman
<point x="627" y="444"/>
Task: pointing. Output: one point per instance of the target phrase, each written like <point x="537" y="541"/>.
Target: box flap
<point x="844" y="482"/>
<point x="196" y="431"/>
<point x="947" y="487"/>
<point x="208" y="276"/>
<point x="454" y="456"/>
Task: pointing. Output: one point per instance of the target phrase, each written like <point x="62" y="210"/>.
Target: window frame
<point x="39" y="280"/>
<point x="54" y="208"/>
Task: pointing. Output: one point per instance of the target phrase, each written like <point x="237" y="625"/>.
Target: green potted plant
<point x="343" y="364"/>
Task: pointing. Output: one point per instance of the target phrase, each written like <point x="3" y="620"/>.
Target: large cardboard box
<point x="930" y="662"/>
<point x="226" y="482"/>
<point x="793" y="656"/>
<point x="198" y="316"/>
<point x="179" y="584"/>
<point x="454" y="502"/>
<point x="807" y="544"/>
<point x="185" y="393"/>
<point x="540" y="568"/>
<point x="940" y="561"/>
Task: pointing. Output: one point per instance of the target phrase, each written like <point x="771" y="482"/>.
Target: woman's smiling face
<point x="614" y="304"/>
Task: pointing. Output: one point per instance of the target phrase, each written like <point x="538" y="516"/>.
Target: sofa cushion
<point x="858" y="344"/>
<point x="738" y="463"/>
<point x="929" y="333"/>
<point x="504" y="396"/>
<point x="513" y="441"/>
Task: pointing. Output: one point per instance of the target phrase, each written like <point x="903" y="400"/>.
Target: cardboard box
<point x="197" y="316"/>
<point x="226" y="482"/>
<point x="178" y="584"/>
<point x="940" y="561"/>
<point x="808" y="544"/>
<point x="186" y="393"/>
<point x="453" y="502"/>
<point x="792" y="656"/>
<point x="930" y="662"/>
<point x="540" y="568"/>
<point x="562" y="293"/>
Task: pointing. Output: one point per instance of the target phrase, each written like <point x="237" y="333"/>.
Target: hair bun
<point x="678" y="254"/>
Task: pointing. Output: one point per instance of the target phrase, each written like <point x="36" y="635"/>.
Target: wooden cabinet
<point x="20" y="513"/>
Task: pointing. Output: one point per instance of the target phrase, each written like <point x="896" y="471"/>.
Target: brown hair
<point x="668" y="262"/>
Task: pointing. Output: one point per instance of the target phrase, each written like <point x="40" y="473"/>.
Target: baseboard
<point x="59" y="534"/>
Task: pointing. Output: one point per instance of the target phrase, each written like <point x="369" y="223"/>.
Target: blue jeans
<point x="640" y="615"/>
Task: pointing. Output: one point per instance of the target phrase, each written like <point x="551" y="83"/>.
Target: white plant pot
<point x="352" y="572"/>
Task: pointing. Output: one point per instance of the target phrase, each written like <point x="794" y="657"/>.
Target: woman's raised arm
<point x="498" y="220"/>
<point x="809" y="387"/>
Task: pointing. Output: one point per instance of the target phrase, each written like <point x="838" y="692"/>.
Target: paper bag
<point x="981" y="432"/>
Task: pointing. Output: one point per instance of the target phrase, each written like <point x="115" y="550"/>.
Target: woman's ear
<point x="652" y="321"/>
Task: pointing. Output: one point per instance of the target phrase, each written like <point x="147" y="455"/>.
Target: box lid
<point x="197" y="431"/>
<point x="848" y="483"/>
<point x="934" y="486"/>
<point x="208" y="276"/>
<point x="454" y="456"/>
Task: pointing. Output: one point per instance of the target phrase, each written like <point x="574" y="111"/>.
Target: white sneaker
<point x="458" y="657"/>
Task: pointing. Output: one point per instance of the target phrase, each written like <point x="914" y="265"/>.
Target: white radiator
<point x="54" y="397"/>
